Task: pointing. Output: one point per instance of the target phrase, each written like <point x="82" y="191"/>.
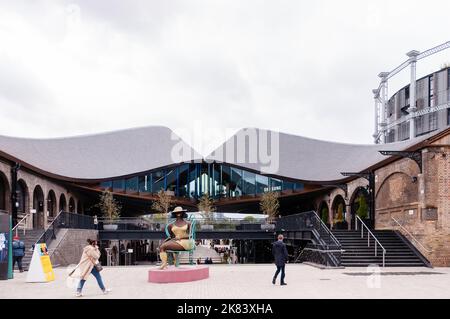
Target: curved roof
<point x="303" y="158"/>
<point x="100" y="156"/>
<point x="131" y="151"/>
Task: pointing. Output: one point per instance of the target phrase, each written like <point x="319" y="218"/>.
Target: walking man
<point x="281" y="258"/>
<point x="18" y="248"/>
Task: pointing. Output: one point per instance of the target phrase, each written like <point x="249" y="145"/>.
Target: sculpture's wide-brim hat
<point x="179" y="209"/>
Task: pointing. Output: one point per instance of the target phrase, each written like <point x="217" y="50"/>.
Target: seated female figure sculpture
<point x="179" y="236"/>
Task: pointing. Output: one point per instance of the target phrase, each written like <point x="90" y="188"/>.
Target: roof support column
<point x="412" y="93"/>
<point x="376" y="94"/>
<point x="384" y="104"/>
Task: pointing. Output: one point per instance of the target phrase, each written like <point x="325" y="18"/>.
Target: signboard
<point x="41" y="269"/>
<point x="5" y="244"/>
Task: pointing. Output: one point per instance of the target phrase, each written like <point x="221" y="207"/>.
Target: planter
<point x="110" y="227"/>
<point x="267" y="226"/>
<point x="207" y="227"/>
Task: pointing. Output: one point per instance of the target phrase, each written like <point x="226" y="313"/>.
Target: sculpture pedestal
<point x="174" y="274"/>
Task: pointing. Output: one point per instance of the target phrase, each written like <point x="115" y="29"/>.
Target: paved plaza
<point x="248" y="281"/>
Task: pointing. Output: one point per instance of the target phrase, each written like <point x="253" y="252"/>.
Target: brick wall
<point x="422" y="207"/>
<point x="71" y="246"/>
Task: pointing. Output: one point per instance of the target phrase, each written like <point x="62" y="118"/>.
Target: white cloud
<point x="307" y="68"/>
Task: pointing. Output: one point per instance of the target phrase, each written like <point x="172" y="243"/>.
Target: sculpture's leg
<point x="163" y="256"/>
<point x="176" y="260"/>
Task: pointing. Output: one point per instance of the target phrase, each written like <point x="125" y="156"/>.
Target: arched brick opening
<point x="396" y="190"/>
<point x="79" y="207"/>
<point x="62" y="203"/>
<point x="360" y="205"/>
<point x="23" y="196"/>
<point x="324" y="212"/>
<point x="338" y="213"/>
<point x="72" y="207"/>
<point x="38" y="205"/>
<point x="52" y="204"/>
<point x="5" y="193"/>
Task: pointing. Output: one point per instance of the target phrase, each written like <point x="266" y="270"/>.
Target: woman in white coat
<point x="86" y="266"/>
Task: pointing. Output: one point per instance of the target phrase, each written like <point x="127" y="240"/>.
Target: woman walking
<point x="89" y="264"/>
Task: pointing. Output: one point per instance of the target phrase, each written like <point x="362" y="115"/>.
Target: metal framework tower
<point x="381" y="97"/>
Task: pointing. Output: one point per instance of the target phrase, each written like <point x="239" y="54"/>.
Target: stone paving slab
<point x="247" y="281"/>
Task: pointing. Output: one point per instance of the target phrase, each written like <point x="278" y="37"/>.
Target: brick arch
<point x="405" y="166"/>
<point x="396" y="189"/>
<point x="79" y="207"/>
<point x="323" y="204"/>
<point x="5" y="192"/>
<point x="353" y="205"/>
<point x="62" y="202"/>
<point x="52" y="203"/>
<point x="72" y="205"/>
<point x="23" y="197"/>
<point x="338" y="199"/>
<point x="39" y="206"/>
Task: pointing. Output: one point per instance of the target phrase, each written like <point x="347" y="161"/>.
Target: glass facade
<point x="194" y="180"/>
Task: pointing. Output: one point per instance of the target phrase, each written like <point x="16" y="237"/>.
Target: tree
<point x="249" y="219"/>
<point x="162" y="205"/>
<point x="269" y="205"/>
<point x="363" y="208"/>
<point x="109" y="206"/>
<point x="206" y="206"/>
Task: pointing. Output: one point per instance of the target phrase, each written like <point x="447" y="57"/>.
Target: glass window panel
<point x="236" y="182"/>
<point x="249" y="187"/>
<point x="275" y="185"/>
<point x="193" y="181"/>
<point x="171" y="180"/>
<point x="107" y="184"/>
<point x="288" y="185"/>
<point x="262" y="184"/>
<point x="157" y="181"/>
<point x="216" y="181"/>
<point x="145" y="185"/>
<point x="132" y="184"/>
<point x="204" y="178"/>
<point x="183" y="185"/>
<point x="226" y="181"/>
<point x="119" y="185"/>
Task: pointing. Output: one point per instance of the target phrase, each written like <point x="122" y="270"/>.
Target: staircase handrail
<point x="16" y="228"/>
<point x="411" y="235"/>
<point x="52" y="224"/>
<point x="322" y="224"/>
<point x="363" y="225"/>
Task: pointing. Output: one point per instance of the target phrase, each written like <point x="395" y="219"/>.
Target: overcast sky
<point x="301" y="67"/>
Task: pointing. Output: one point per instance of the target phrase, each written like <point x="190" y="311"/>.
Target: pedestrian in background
<point x="281" y="257"/>
<point x="18" y="248"/>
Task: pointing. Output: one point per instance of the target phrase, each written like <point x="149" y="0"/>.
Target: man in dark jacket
<point x="18" y="248"/>
<point x="281" y="257"/>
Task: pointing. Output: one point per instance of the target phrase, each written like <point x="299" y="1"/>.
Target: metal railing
<point x="411" y="235"/>
<point x="324" y="249"/>
<point x="158" y="224"/>
<point x="308" y="220"/>
<point x="65" y="220"/>
<point x="369" y="234"/>
<point x="22" y="222"/>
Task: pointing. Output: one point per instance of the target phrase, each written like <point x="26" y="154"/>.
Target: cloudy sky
<point x="301" y="67"/>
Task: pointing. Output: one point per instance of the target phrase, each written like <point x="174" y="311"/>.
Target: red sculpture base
<point x="174" y="274"/>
